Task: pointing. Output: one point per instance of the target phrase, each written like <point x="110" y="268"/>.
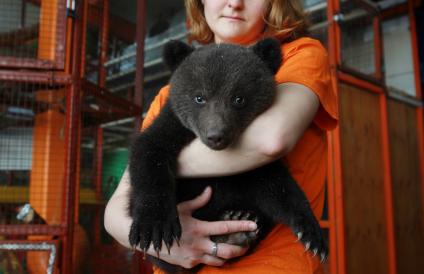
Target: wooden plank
<point x="363" y="189"/>
<point x="408" y="212"/>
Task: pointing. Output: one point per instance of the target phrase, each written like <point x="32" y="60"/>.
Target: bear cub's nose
<point x="215" y="138"/>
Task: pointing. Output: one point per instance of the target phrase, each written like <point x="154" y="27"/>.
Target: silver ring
<point x="214" y="249"/>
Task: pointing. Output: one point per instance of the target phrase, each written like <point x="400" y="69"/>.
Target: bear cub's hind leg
<point x="245" y="238"/>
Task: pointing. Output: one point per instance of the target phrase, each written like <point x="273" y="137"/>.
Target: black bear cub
<point x="215" y="92"/>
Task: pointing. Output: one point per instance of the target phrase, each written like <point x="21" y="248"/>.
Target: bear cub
<point x="215" y="92"/>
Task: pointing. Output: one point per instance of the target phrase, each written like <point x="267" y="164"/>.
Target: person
<point x="293" y="129"/>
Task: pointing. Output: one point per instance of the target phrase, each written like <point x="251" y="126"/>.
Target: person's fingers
<point x="225" y="227"/>
<point x="212" y="260"/>
<point x="197" y="202"/>
<point x="223" y="251"/>
<point x="227" y="251"/>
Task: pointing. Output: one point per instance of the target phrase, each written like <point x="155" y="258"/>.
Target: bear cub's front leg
<point x="152" y="198"/>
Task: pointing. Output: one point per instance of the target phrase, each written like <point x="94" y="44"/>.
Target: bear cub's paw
<point x="152" y="228"/>
<point x="239" y="238"/>
<point x="310" y="234"/>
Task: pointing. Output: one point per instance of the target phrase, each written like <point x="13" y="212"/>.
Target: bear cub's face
<point x="218" y="89"/>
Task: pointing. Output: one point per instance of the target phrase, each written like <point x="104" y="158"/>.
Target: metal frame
<point x="334" y="174"/>
<point x="33" y="246"/>
<point x="370" y="7"/>
<point x="419" y="94"/>
<point x="35" y="77"/>
<point x="73" y="103"/>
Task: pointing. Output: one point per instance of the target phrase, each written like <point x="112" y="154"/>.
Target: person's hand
<point x="195" y="245"/>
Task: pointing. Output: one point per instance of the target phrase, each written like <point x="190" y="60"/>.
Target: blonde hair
<point x="284" y="20"/>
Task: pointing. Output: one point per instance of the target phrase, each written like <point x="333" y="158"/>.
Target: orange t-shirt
<point x="304" y="62"/>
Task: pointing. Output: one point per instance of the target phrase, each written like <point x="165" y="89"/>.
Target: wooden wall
<point x="363" y="184"/>
<point x="408" y="211"/>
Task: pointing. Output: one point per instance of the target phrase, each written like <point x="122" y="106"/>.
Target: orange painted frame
<point x="334" y="182"/>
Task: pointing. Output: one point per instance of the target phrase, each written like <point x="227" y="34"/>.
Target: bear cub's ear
<point x="174" y="52"/>
<point x="269" y="51"/>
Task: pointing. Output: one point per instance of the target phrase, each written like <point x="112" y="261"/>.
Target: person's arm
<point x="195" y="244"/>
<point x="270" y="136"/>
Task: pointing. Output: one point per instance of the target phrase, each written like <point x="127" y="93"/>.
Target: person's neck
<point x="243" y="42"/>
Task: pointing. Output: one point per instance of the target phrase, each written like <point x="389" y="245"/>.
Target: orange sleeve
<point x="305" y="62"/>
<point x="155" y="107"/>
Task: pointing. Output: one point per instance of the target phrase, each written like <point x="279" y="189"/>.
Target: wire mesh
<point x="19" y="28"/>
<point x="32" y="151"/>
<point x="32" y="33"/>
<point x="317" y="17"/>
<point x="357" y="37"/>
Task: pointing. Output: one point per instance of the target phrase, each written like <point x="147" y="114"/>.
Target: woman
<point x="293" y="129"/>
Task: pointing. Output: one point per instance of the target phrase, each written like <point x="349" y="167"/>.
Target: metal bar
<point x="98" y="165"/>
<point x="405" y="99"/>
<point x="59" y="57"/>
<point x="316" y="7"/>
<point x="415" y="54"/>
<point x="105" y="95"/>
<point x="84" y="37"/>
<point x="331" y="206"/>
<point x="139" y="74"/>
<point x="361" y="76"/>
<point x="339" y="199"/>
<point x="395" y="11"/>
<point x="337" y="147"/>
<point x="104" y="41"/>
<point x="13" y="62"/>
<point x="370" y="6"/>
<point x="388" y="195"/>
<point x="34" y="76"/>
<point x="117" y="122"/>
<point x="69" y="28"/>
<point x="334" y="173"/>
<point x="29" y="229"/>
<point x="139" y="265"/>
<point x="73" y="103"/>
<point x="359" y="83"/>
<point x="378" y="49"/>
<point x="31" y="245"/>
<point x="335" y="9"/>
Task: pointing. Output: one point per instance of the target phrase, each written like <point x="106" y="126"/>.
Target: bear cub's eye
<point x="199" y="99"/>
<point x="238" y="101"/>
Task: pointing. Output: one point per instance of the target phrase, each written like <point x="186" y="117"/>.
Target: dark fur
<point x="218" y="73"/>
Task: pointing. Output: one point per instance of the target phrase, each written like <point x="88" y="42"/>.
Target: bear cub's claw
<point x="309" y="232"/>
<point x="145" y="232"/>
<point x="245" y="238"/>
